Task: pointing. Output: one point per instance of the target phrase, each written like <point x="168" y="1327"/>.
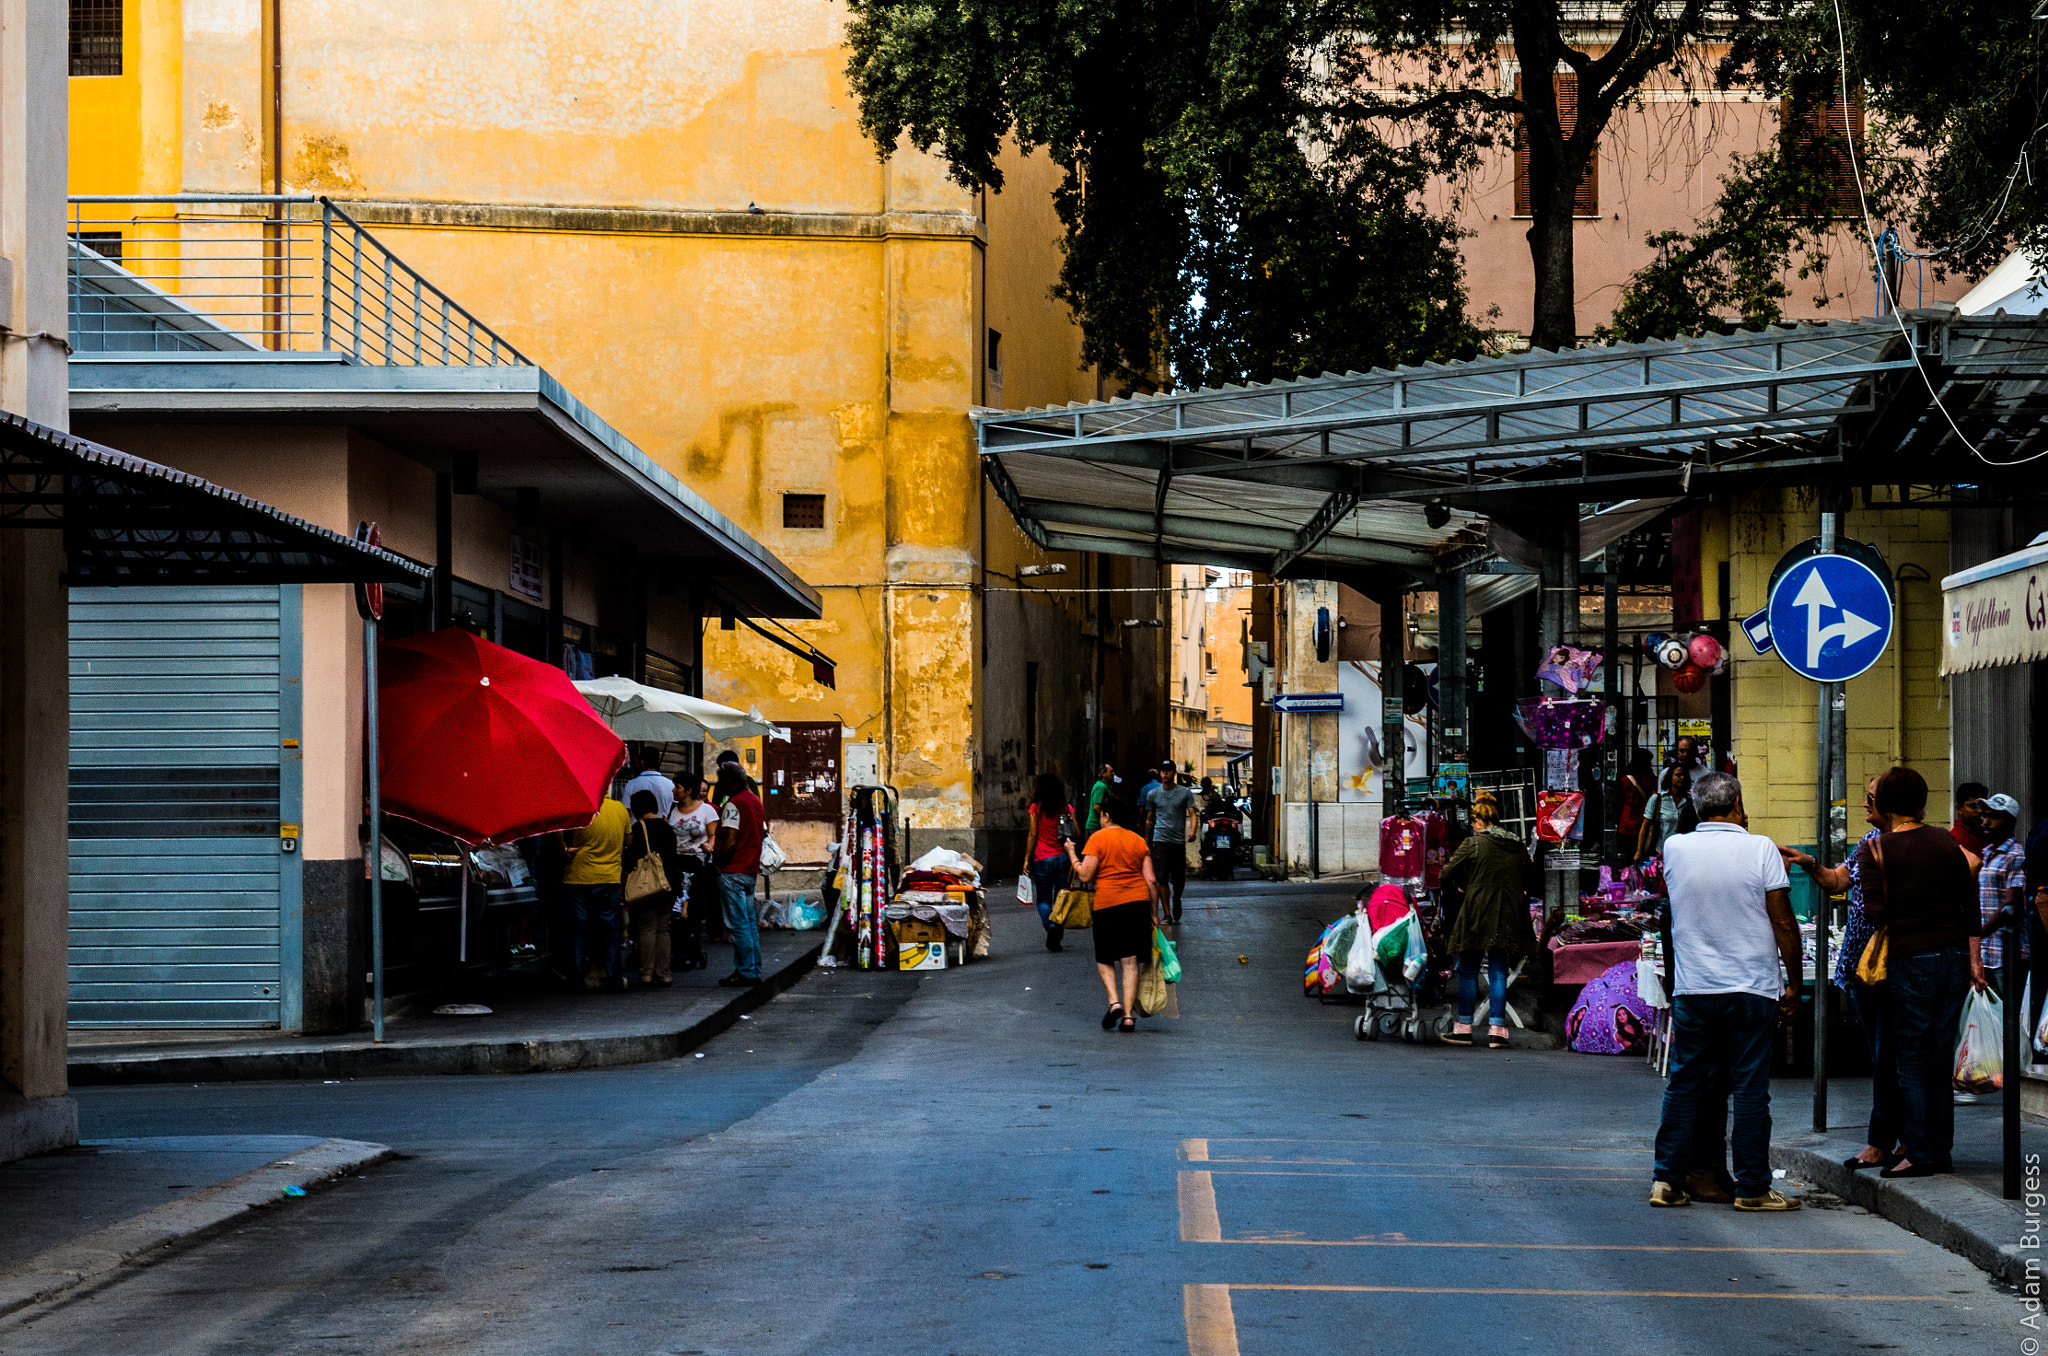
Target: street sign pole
<point x="1824" y="836"/>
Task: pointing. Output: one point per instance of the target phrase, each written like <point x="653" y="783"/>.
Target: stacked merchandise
<point x="862" y="878"/>
<point x="939" y="896"/>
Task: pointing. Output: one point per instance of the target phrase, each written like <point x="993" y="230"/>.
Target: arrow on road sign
<point x="1813" y="595"/>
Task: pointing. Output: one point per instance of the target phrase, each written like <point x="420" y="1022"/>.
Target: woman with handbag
<point x="1118" y="863"/>
<point x="1919" y="891"/>
<point x="1045" y="859"/>
<point x="1873" y="1001"/>
<point x="651" y="871"/>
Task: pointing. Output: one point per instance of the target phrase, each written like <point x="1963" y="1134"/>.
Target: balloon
<point x="1671" y="653"/>
<point x="1691" y="678"/>
<point x="1704" y="651"/>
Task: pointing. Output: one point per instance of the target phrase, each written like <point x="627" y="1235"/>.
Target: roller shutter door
<point x="175" y="803"/>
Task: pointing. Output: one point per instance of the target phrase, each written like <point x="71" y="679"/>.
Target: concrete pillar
<point x="35" y="716"/>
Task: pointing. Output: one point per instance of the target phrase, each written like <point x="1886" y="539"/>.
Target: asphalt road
<point x="963" y="1163"/>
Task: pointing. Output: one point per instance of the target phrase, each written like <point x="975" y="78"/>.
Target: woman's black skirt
<point x="1123" y="930"/>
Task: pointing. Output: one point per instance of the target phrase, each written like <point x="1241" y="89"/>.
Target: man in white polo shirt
<point x="1731" y="929"/>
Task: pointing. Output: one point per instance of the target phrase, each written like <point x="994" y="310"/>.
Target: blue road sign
<point x="1757" y="626"/>
<point x="1309" y="701"/>
<point x="1830" y="617"/>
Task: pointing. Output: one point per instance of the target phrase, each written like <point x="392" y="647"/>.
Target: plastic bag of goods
<point x="1980" y="1044"/>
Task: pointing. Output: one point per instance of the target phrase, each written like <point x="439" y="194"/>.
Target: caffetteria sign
<point x="1998" y="611"/>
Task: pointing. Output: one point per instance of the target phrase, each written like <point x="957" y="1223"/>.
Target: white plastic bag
<point x="1980" y="1044"/>
<point x="773" y="858"/>
<point x="1027" y="890"/>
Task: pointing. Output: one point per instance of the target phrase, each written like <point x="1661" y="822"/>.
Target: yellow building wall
<point x="683" y="222"/>
<point x="1897" y="711"/>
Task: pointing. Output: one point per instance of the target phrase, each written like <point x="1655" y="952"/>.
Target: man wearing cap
<point x="2001" y="883"/>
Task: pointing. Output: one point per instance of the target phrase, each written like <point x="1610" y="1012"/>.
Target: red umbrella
<point x="486" y="744"/>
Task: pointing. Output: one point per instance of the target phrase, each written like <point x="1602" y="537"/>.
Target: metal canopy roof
<point x="130" y="521"/>
<point x="1303" y="476"/>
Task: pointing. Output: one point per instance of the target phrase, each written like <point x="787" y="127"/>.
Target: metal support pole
<point x="1393" y="669"/>
<point x="1823" y="851"/>
<point x="375" y="848"/>
<point x="2015" y="1018"/>
<point x="1610" y="686"/>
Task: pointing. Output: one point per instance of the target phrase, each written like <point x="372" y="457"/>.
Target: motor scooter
<point x="1223" y="844"/>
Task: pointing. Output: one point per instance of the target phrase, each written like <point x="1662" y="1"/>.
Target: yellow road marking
<point x="1577" y="1176"/>
<point x="1593" y="1294"/>
<point x="1195" y="1150"/>
<point x="1212" y="1327"/>
<point x="1198" y="1219"/>
<point x="1561" y="1148"/>
<point x="1554" y="1247"/>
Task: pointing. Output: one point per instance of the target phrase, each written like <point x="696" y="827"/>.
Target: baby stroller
<point x="1388" y="962"/>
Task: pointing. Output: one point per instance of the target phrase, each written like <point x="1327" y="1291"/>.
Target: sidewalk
<point x="1965" y="1212"/>
<point x="70" y="1218"/>
<point x="532" y="1028"/>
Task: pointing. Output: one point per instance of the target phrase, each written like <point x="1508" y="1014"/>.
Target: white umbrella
<point x="657" y="716"/>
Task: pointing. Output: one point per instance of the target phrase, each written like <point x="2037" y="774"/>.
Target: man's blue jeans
<point x="740" y="923"/>
<point x="1048" y="877"/>
<point x="1496" y="987"/>
<point x="1927" y="1006"/>
<point x="602" y="904"/>
<point x="1719" y="1034"/>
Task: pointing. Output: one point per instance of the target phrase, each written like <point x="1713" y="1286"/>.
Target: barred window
<point x="95" y="37"/>
<point x="803" y="510"/>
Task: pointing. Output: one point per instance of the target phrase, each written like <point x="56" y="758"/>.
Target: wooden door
<point x="800" y="775"/>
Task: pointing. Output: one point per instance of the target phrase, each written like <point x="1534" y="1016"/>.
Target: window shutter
<point x="1822" y="134"/>
<point x="1586" y="202"/>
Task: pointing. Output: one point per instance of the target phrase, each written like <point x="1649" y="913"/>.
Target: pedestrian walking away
<point x="1045" y="856"/>
<point x="650" y="914"/>
<point x="1493" y="871"/>
<point x="1171" y="807"/>
<point x="651" y="779"/>
<point x="1732" y="931"/>
<point x="591" y="881"/>
<point x="1919" y="889"/>
<point x="1105" y="785"/>
<point x="1116" y="862"/>
<point x="1669" y="812"/>
<point x="741" y="827"/>
<point x="1873" y="1001"/>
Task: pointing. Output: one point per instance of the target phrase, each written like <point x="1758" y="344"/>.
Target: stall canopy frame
<point x="1326" y="475"/>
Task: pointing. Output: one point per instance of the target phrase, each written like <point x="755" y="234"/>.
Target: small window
<point x="1587" y="202"/>
<point x="803" y="510"/>
<point x="95" y="37"/>
<point x="995" y="351"/>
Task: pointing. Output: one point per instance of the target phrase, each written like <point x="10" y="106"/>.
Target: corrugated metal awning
<point x="130" y="521"/>
<point x="1998" y="611"/>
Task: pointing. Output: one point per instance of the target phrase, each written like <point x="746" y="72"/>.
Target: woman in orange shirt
<point x="1119" y="865"/>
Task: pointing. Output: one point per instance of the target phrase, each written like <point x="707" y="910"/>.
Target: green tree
<point x="1219" y="213"/>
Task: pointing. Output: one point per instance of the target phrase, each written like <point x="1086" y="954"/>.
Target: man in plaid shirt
<point x="2001" y="881"/>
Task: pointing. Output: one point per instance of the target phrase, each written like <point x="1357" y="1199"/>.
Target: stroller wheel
<point x="1386" y="1025"/>
<point x="1443" y="1025"/>
<point x="1364" y="1028"/>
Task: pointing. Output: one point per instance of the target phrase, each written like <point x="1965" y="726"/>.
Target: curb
<point x="95" y="1255"/>
<point x="1979" y="1227"/>
<point x="512" y="1056"/>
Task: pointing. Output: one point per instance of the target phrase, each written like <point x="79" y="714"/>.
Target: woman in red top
<point x="1635" y="794"/>
<point x="1119" y="864"/>
<point x="1046" y="858"/>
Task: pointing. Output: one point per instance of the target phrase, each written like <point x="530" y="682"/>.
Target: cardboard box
<point x="921" y="955"/>
<point x="908" y="930"/>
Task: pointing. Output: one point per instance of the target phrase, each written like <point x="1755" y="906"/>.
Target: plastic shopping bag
<point x="1980" y="1045"/>
<point x="1169" y="959"/>
<point x="1151" y="997"/>
<point x="1027" y="889"/>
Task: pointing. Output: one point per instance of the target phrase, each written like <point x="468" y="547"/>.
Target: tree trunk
<point x="1555" y="323"/>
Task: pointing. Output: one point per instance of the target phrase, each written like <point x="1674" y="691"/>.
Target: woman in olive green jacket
<point x="1493" y="868"/>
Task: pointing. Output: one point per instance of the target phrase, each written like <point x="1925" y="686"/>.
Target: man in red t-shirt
<point x="737" y="855"/>
<point x="1968" y="828"/>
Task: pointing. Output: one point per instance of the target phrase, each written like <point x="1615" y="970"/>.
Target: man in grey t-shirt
<point x="1170" y="807"/>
